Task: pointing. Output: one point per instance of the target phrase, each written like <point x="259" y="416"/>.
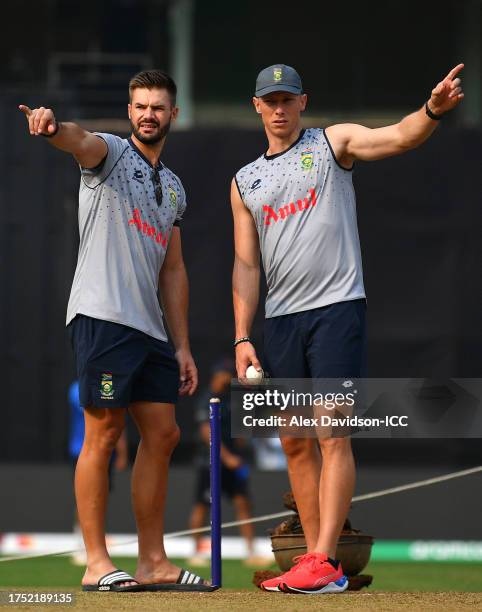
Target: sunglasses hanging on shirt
<point x="156" y="179"/>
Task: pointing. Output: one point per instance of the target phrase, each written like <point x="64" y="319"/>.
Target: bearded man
<point x="130" y="208"/>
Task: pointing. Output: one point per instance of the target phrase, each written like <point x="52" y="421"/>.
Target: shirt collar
<point x="159" y="166"/>
<point x="275" y="155"/>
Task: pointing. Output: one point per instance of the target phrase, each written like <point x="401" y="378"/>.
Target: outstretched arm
<point x="245" y="280"/>
<point x="89" y="150"/>
<point x="351" y="141"/>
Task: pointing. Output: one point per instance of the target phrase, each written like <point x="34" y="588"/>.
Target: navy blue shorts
<point x="231" y="485"/>
<point x="327" y="342"/>
<point x="118" y="365"/>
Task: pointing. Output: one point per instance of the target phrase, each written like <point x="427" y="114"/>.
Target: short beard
<point x="155" y="138"/>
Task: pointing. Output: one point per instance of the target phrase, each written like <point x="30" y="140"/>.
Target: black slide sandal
<point x="187" y="581"/>
<point x="110" y="582"/>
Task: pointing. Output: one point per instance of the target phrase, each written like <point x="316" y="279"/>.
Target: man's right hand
<point x="88" y="149"/>
<point x="245" y="356"/>
<point x="41" y="121"/>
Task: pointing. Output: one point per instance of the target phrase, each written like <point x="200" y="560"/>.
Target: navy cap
<point x="278" y="78"/>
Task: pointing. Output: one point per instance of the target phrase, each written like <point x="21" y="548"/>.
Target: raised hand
<point x="448" y="93"/>
<point x="41" y="121"/>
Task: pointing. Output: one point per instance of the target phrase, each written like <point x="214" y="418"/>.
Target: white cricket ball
<point x="253" y="374"/>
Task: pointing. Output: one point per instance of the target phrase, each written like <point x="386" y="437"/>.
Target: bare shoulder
<point x="236" y="199"/>
<point x="341" y="132"/>
<point x="339" y="136"/>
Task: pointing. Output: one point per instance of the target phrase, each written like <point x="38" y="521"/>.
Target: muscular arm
<point x="89" y="150"/>
<point x="174" y="291"/>
<point x="246" y="275"/>
<point x="246" y="265"/>
<point x="351" y="141"/>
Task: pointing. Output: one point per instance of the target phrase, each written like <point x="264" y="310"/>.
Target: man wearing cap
<point x="296" y="205"/>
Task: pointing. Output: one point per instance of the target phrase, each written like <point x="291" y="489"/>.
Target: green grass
<point x="388" y="576"/>
<point x="425" y="576"/>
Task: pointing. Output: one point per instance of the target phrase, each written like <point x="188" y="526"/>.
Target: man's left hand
<point x="448" y="93"/>
<point x="187" y="372"/>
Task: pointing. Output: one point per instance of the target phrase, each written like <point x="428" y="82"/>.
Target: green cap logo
<point x="277" y="74"/>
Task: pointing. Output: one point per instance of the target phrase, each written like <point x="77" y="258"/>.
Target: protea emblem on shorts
<point x="307" y="159"/>
<point x="106" y="386"/>
<point x="277" y="74"/>
<point x="172" y="197"/>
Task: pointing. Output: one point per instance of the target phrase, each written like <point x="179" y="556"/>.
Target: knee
<point x="335" y="445"/>
<point x="105" y="438"/>
<point x="172" y="438"/>
<point x="164" y="440"/>
<point x="297" y="447"/>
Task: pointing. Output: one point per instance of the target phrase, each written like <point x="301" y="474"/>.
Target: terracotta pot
<point x="353" y="551"/>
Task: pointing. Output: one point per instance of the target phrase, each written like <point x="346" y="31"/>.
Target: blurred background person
<point x="235" y="455"/>
<point x="118" y="462"/>
<point x="269" y="454"/>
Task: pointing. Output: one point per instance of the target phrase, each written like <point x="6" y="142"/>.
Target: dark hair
<point x="153" y="79"/>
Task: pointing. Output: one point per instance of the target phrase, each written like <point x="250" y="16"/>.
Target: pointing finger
<point x="25" y="110"/>
<point x="29" y="115"/>
<point x="454" y="71"/>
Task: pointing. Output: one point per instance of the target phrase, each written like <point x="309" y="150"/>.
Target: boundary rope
<point x="267" y="517"/>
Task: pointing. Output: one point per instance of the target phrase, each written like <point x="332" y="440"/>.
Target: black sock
<point x="334" y="562"/>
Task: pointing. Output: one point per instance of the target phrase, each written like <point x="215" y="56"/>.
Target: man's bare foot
<point x="157" y="572"/>
<point x="95" y="571"/>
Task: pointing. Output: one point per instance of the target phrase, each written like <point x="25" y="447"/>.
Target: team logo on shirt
<point x="307" y="159"/>
<point x="138" y="176"/>
<point x="277" y="74"/>
<point x="106" y="386"/>
<point x="256" y="184"/>
<point x="172" y="197"/>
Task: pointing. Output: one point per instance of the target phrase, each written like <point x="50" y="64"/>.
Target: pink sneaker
<point x="273" y="583"/>
<point x="315" y="573"/>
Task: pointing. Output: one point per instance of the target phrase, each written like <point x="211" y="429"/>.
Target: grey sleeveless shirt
<point x="303" y="204"/>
